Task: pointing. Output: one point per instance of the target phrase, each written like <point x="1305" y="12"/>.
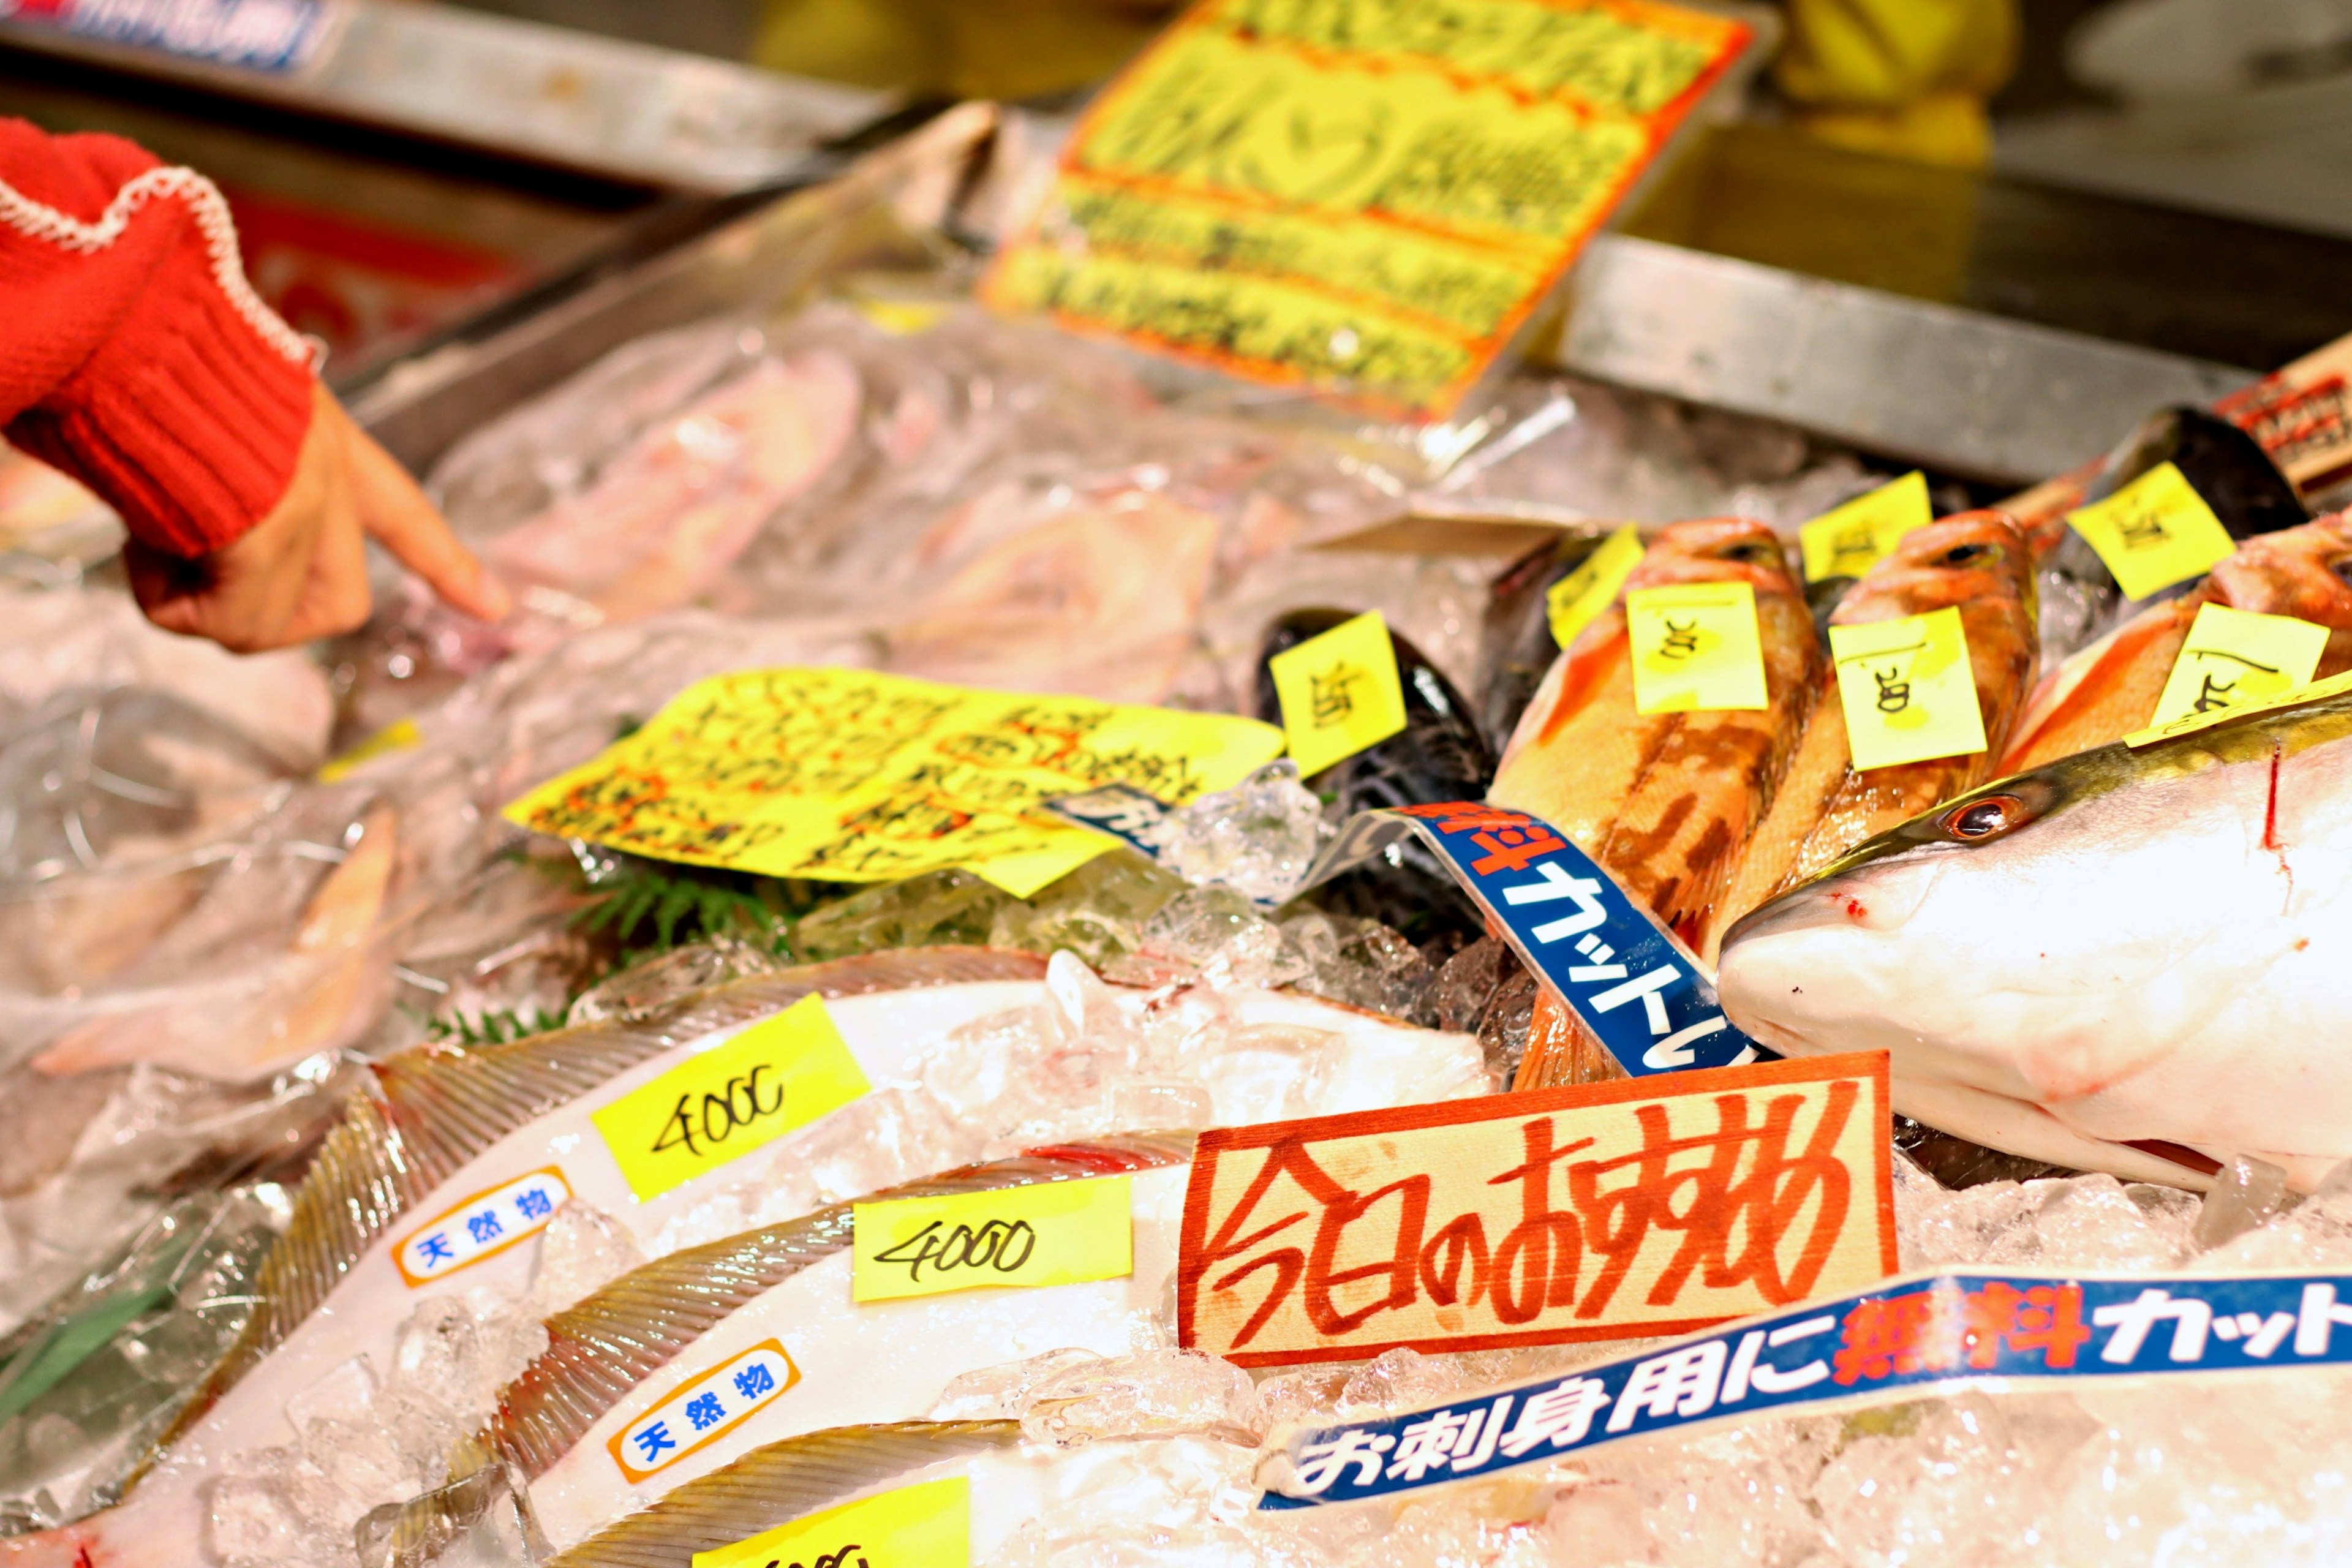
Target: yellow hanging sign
<point x="1909" y="691"/>
<point x="1048" y="1233"/>
<point x="1594" y="586"/>
<point x="1694" y="646"/>
<point x="850" y="776"/>
<point x="1365" y="197"/>
<point x="774" y="1076"/>
<point x="2233" y="657"/>
<point x="1849" y="539"/>
<point x="1340" y="692"/>
<point x="2155" y="532"/>
<point x="923" y="1526"/>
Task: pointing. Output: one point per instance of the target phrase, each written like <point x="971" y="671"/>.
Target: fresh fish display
<point x="1516" y="646"/>
<point x="2079" y="599"/>
<point x="1976" y="563"/>
<point x="2108" y="961"/>
<point x="612" y="1356"/>
<point x="2110" y="688"/>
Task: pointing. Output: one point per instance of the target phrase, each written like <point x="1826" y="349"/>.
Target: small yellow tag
<point x="1695" y="647"/>
<point x="779" y="1074"/>
<point x="1050" y="1233"/>
<point x="1847" y="541"/>
<point x="2234" y="657"/>
<point x="2155" y="532"/>
<point x="1907" y="689"/>
<point x="1594" y="586"/>
<point x="925" y="1526"/>
<point x="400" y="735"/>
<point x="904" y="317"/>
<point x="2333" y="686"/>
<point x="1340" y="692"/>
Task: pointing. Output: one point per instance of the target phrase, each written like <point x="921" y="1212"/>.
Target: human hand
<point x="301" y="572"/>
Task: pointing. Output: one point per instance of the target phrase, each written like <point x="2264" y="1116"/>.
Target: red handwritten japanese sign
<point x="1641" y="1208"/>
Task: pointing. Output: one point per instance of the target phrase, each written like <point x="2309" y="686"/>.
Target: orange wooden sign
<point x="1648" y="1207"/>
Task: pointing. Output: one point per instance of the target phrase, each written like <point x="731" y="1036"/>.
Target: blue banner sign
<point x="1904" y="1337"/>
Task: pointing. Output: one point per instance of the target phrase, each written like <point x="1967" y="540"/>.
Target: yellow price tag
<point x="779" y="1074"/>
<point x="2155" y="532"/>
<point x="924" y="1526"/>
<point x="2333" y="686"/>
<point x="2234" y="656"/>
<point x="1050" y="1233"/>
<point x="400" y="735"/>
<point x="1847" y="541"/>
<point x="1909" y="691"/>
<point x="1695" y="647"/>
<point x="1594" y="586"/>
<point x="1340" y="692"/>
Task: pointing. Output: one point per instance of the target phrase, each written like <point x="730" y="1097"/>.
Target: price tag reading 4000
<point x="927" y="1525"/>
<point x="1054" y="1233"/>
<point x="777" y="1075"/>
<point x="1694" y="646"/>
<point x="1909" y="691"/>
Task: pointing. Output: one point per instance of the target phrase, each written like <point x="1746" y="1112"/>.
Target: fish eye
<point x="1987" y="818"/>
<point x="1751" y="553"/>
<point x="2342" y="567"/>
<point x="1961" y="554"/>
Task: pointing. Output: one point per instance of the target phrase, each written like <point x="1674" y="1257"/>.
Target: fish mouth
<point x="1856" y="894"/>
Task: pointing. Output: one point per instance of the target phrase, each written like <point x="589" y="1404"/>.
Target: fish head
<point x="1718" y="549"/>
<point x="2041" y="937"/>
<point x="2304" y="572"/>
<point x="1969" y="558"/>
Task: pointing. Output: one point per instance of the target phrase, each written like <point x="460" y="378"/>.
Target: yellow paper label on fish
<point x="925" y="1526"/>
<point x="2155" y="532"/>
<point x="1849" y="539"/>
<point x="850" y="776"/>
<point x="776" y="1075"/>
<point x="2333" y="686"/>
<point x="1050" y="1233"/>
<point x="2233" y="657"/>
<point x="1909" y="691"/>
<point x="1340" y="692"/>
<point x="1360" y="196"/>
<point x="400" y="735"/>
<point x="1695" y="647"/>
<point x="1594" y="586"/>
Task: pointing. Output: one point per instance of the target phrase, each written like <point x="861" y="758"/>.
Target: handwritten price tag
<point x="1051" y="1232"/>
<point x="2189" y="723"/>
<point x="1849" y="539"/>
<point x="2155" y="532"/>
<point x="1909" y="691"/>
<point x="1340" y="692"/>
<point x="925" y="1526"/>
<point x="849" y="776"/>
<point x="776" y="1075"/>
<point x="1695" y="647"/>
<point x="1605" y="1211"/>
<point x="1362" y="196"/>
<point x="1594" y="585"/>
<point x="2233" y="657"/>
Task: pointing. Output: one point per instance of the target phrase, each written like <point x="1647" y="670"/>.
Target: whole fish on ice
<point x="2122" y="950"/>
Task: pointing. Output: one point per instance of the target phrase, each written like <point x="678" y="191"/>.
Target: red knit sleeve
<point x="132" y="353"/>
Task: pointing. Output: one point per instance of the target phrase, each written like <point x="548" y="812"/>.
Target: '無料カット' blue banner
<point x="1900" y="1337"/>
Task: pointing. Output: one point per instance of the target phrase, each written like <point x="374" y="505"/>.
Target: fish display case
<point x="443" y="1154"/>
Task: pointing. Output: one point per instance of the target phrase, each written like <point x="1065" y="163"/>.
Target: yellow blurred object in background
<point x="1903" y="79"/>
<point x="962" y="49"/>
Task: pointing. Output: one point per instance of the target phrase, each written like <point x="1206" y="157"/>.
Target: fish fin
<point x="606" y="1346"/>
<point x="778" y="1484"/>
<point x="2015" y="1127"/>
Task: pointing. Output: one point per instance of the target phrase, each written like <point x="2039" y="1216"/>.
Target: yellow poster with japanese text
<point x="852" y="776"/>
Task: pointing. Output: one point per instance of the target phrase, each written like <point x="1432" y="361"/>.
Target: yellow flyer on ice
<point x="774" y="1076"/>
<point x="1362" y="196"/>
<point x="1593" y="587"/>
<point x="1050" y="1233"/>
<point x="847" y="775"/>
<point x="1909" y="691"/>
<point x="1695" y="647"/>
<point x="2233" y="657"/>
<point x="924" y="1526"/>
<point x="2155" y="532"/>
<point x="1847" y="541"/>
<point x="1340" y="692"/>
